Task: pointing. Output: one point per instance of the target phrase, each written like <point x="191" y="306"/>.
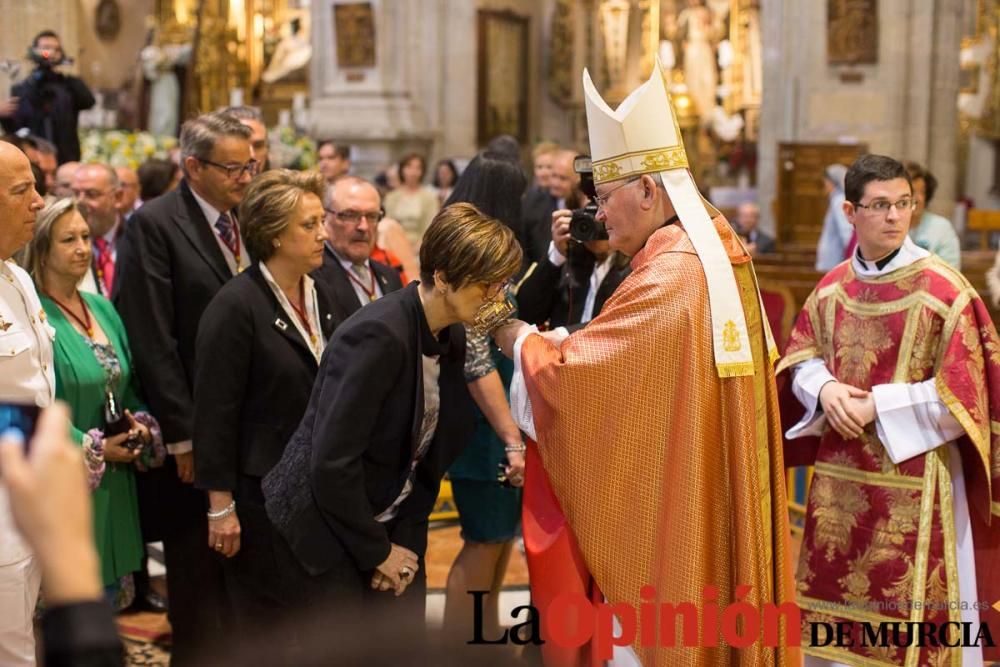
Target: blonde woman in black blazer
<point x="258" y="349"/>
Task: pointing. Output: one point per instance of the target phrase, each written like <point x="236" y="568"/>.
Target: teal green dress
<point x="488" y="512"/>
<point x="80" y="382"/>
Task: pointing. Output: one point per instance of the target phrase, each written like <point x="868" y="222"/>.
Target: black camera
<point x="46" y="58"/>
<point x="584" y="226"/>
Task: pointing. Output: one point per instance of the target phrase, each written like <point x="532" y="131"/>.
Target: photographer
<point x="48" y="102"/>
<point x="569" y="286"/>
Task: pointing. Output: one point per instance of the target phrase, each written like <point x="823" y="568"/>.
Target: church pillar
<point x="381" y="107"/>
<point x="421" y="91"/>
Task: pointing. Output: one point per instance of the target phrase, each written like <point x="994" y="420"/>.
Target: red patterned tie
<point x="105" y="264"/>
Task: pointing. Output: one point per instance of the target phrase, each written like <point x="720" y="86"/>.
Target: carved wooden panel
<point x="802" y="200"/>
<point x="503" y="76"/>
<point x="354" y="26"/>
<point x="852" y="32"/>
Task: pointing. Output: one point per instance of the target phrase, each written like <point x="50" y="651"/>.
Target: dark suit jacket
<point x="345" y="299"/>
<point x="765" y="243"/>
<point x="169" y="268"/>
<point x="50" y="105"/>
<point x="557" y="294"/>
<point x="252" y="382"/>
<point x="349" y="458"/>
<point x="537" y="208"/>
<point x="81" y="634"/>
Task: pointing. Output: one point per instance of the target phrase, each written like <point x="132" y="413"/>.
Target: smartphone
<point x="20" y="417"/>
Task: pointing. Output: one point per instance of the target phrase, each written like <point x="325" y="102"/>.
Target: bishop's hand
<point x="507" y="334"/>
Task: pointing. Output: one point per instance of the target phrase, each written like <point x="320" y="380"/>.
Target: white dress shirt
<point x="597" y="276"/>
<point x="312" y="311"/>
<point x="89" y="281"/>
<point x="349" y="267"/>
<point x="26" y="373"/>
<point x="212" y="216"/>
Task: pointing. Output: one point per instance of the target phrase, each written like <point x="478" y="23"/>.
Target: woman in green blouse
<point x="93" y="367"/>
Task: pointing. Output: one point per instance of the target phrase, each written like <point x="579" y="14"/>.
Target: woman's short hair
<point x="468" y="247"/>
<point x="155" y="176"/>
<point x="41" y="241"/>
<point x="409" y="157"/>
<point x="270" y="201"/>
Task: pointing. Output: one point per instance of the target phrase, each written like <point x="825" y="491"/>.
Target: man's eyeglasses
<point x="234" y="171"/>
<point x="602" y="200"/>
<point x="882" y="206"/>
<point x="354" y="217"/>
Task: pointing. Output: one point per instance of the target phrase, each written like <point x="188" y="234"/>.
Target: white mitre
<point x="642" y="137"/>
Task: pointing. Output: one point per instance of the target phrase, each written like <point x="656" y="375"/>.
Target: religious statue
<point x="292" y="54"/>
<point x="700" y="73"/>
<point x="158" y="63"/>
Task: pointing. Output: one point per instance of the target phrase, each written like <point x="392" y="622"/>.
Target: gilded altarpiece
<point x="712" y="49"/>
<point x="235" y="43"/>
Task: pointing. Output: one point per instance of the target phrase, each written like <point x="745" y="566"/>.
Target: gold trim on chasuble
<point x="936" y="477"/>
<point x="751" y="300"/>
<point x="917" y="597"/>
<point x="980" y="437"/>
<point x="940" y="458"/>
<point x="930" y="483"/>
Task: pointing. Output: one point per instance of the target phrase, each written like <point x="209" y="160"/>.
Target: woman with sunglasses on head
<point x="389" y="413"/>
<point x="258" y="348"/>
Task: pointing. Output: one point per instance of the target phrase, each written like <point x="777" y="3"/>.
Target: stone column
<point x="943" y="146"/>
<point x="421" y="93"/>
<point x="382" y="111"/>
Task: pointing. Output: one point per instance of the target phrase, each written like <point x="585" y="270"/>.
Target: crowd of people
<point x="271" y="371"/>
<point x="185" y="308"/>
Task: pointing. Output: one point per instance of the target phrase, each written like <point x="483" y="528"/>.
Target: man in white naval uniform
<point x="26" y="376"/>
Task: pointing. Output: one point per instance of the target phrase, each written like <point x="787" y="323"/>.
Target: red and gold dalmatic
<point x="878" y="534"/>
<point x="659" y="472"/>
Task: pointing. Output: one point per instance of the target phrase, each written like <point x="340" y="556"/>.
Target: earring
<point x="277" y="243"/>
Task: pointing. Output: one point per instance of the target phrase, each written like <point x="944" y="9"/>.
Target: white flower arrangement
<point x="121" y="148"/>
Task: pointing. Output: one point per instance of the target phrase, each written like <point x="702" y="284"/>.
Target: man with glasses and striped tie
<point x="178" y="251"/>
<point x="353" y="210"/>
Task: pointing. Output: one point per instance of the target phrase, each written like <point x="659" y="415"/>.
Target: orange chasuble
<point x="880" y="536"/>
<point x="657" y="471"/>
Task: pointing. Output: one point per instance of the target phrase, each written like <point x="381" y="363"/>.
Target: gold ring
<point x="219" y="546"/>
<point x="405" y="573"/>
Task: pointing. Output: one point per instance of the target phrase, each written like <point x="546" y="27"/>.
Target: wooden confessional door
<point x="802" y="200"/>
